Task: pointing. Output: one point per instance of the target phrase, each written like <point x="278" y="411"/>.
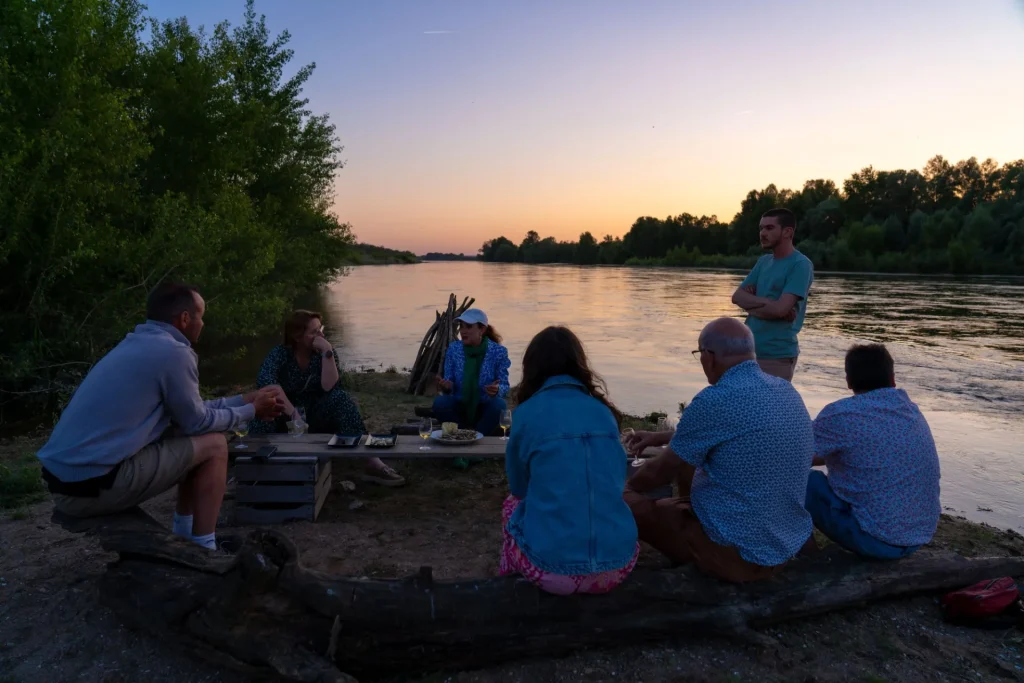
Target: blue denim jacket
<point x="565" y="461"/>
<point x="494" y="367"/>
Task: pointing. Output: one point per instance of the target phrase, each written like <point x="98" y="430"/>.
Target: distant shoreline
<point x="707" y="269"/>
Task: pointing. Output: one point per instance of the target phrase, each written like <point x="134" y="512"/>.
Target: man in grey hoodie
<point x="112" y="447"/>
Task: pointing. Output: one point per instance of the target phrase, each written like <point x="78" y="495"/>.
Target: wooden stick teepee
<point x="430" y="357"/>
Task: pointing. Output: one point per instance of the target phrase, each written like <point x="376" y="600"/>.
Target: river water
<point x="958" y="345"/>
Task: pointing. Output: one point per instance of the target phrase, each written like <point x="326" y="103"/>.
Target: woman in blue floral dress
<point x="307" y="369"/>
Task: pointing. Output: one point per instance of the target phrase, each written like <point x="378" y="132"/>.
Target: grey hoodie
<point x="129" y="398"/>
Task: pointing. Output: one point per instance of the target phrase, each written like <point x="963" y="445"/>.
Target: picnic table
<point x="406" y="447"/>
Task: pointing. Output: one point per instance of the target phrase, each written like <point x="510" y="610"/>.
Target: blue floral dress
<point x="327" y="412"/>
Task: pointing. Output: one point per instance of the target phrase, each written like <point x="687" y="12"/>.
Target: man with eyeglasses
<point x="774" y="295"/>
<point x="740" y="456"/>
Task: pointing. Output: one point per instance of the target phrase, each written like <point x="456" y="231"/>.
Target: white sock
<point x="182" y="525"/>
<point x="207" y="541"/>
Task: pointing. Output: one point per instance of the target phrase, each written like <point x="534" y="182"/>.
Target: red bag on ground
<point x="983" y="599"/>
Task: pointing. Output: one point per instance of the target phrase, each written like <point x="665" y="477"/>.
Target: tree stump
<point x="257" y="609"/>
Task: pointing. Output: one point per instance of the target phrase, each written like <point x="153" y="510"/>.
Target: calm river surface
<point x="958" y="345"/>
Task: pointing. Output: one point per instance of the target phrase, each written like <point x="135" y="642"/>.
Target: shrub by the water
<point x="130" y="156"/>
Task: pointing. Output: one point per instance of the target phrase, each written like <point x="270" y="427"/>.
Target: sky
<point x="463" y="120"/>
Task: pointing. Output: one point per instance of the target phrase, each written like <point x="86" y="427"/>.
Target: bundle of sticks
<point x="430" y="358"/>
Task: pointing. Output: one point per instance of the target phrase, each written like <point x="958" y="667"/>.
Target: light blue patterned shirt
<point x="751" y="440"/>
<point x="881" y="459"/>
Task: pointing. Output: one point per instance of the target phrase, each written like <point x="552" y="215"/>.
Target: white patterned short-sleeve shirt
<point x="750" y="438"/>
<point x="881" y="459"/>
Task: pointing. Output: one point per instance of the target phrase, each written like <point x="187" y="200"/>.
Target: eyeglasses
<point x="696" y="352"/>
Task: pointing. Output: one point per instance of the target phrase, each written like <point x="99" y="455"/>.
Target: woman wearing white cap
<point x="475" y="380"/>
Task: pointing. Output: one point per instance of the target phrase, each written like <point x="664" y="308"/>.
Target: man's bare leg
<point x="201" y="493"/>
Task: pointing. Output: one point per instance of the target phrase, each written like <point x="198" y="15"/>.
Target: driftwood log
<point x="258" y="610"/>
<point x="430" y="356"/>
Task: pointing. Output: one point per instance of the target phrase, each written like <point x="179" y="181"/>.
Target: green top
<point x="774" y="277"/>
<point x="471" y="378"/>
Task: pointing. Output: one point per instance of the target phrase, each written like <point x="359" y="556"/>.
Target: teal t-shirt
<point x="774" y="277"/>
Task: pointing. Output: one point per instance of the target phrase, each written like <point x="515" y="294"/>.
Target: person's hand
<point x="640" y="441"/>
<point x="492" y="389"/>
<point x="791" y="316"/>
<point x="751" y="289"/>
<point x="286" y="406"/>
<point x="321" y="344"/>
<point x="268" y="403"/>
<point x="444" y="385"/>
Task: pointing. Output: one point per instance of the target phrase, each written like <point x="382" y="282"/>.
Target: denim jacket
<point x="494" y="367"/>
<point x="565" y="461"/>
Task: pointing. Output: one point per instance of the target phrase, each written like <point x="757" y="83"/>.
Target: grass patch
<point x="20" y="482"/>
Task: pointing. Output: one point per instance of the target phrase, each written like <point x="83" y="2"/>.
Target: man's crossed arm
<point x="762" y="307"/>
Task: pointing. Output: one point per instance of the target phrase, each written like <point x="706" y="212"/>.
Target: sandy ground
<point x="53" y="627"/>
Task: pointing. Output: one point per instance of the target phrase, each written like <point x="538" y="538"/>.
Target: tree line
<point x="963" y="218"/>
<point x="372" y="255"/>
<point x="132" y="151"/>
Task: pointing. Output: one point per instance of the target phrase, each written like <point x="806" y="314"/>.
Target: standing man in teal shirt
<point x="774" y="295"/>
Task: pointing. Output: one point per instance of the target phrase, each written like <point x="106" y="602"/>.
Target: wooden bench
<point x="406" y="448"/>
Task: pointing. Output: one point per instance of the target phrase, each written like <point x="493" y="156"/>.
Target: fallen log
<point x="259" y="610"/>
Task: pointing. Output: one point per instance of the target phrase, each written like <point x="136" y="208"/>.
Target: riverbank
<point x="53" y="627"/>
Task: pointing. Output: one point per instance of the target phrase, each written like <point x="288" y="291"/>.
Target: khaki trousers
<point x="156" y="468"/>
<point x="670" y="526"/>
<point x="778" y="367"/>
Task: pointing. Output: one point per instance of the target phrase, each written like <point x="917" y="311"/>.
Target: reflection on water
<point x="958" y="344"/>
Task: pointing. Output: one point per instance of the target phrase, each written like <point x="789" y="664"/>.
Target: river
<point x="958" y="345"/>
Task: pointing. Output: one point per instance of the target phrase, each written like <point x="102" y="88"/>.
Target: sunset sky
<point x="466" y="120"/>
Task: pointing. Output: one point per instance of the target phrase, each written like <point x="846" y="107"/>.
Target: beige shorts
<point x="778" y="367"/>
<point x="156" y="468"/>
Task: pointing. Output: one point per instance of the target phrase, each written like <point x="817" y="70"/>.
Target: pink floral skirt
<point x="513" y="561"/>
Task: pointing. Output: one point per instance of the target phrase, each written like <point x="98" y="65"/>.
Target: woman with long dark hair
<point x="307" y="369"/>
<point x="566" y="526"/>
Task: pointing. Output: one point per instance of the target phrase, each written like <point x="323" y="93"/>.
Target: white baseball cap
<point x="473" y="316"/>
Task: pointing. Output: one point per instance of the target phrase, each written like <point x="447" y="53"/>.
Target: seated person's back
<point x="566" y="468"/>
<point x="740" y="456"/>
<point x="749" y="435"/>
<point x="882" y="462"/>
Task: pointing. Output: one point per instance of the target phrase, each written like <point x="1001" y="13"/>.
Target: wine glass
<point x="241" y="430"/>
<point x="426" y="428"/>
<point x="627" y="435"/>
<point x="505" y="423"/>
<point x="299" y="422"/>
<point x="663" y="424"/>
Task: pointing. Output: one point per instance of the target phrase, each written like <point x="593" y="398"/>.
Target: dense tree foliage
<point x="124" y="161"/>
<point x="949" y="218"/>
<point x="371" y="255"/>
<point x="448" y="256"/>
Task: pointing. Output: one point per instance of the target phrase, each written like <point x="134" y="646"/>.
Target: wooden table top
<point x="406" y="448"/>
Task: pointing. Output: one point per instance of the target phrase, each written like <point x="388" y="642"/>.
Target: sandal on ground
<point x="383" y="476"/>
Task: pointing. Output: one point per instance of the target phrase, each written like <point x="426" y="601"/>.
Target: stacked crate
<point x="273" y="489"/>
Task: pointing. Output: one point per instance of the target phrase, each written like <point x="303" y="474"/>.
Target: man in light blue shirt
<point x="110" y="450"/>
<point x="741" y="453"/>
<point x="881" y="496"/>
<point x="774" y="295"/>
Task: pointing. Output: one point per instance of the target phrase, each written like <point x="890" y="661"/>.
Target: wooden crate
<point x="281" y="488"/>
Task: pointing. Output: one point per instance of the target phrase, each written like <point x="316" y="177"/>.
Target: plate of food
<point x="381" y="440"/>
<point x="450" y="435"/>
